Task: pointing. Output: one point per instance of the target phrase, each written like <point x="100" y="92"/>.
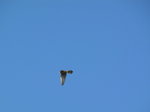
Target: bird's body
<point x="63" y="75"/>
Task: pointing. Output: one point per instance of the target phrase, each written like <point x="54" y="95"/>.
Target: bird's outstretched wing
<point x="62" y="78"/>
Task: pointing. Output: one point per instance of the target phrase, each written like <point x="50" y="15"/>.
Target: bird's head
<point x="70" y="71"/>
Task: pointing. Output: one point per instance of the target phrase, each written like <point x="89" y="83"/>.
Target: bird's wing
<point x="62" y="78"/>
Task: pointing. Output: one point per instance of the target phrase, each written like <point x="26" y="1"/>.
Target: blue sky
<point x="105" y="43"/>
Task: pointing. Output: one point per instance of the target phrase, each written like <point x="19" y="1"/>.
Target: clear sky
<point x="106" y="44"/>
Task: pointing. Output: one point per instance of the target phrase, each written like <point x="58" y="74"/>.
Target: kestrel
<point x="63" y="75"/>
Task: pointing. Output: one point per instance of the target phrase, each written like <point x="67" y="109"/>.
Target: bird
<point x="63" y="75"/>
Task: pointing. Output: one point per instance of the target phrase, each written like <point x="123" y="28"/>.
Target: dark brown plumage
<point x="63" y="75"/>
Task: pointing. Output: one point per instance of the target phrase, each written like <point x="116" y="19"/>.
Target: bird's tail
<point x="69" y="71"/>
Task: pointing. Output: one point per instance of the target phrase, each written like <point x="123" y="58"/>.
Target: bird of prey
<point x="63" y="75"/>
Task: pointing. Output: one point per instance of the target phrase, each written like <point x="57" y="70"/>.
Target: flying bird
<point x="63" y="75"/>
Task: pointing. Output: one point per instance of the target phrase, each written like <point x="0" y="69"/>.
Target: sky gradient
<point x="105" y="43"/>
